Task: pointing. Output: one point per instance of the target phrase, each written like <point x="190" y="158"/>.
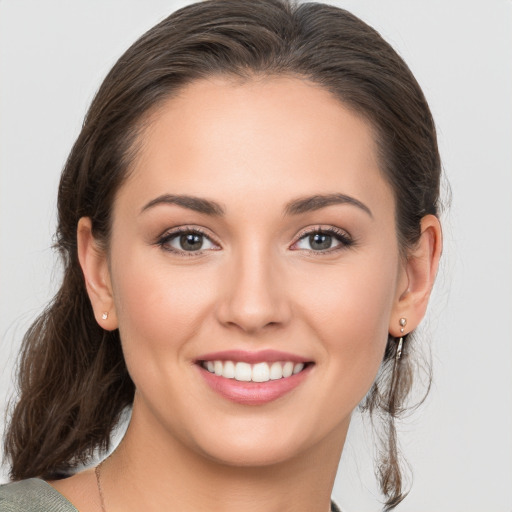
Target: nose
<point x="254" y="295"/>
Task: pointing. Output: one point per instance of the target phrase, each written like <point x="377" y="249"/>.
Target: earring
<point x="403" y="323"/>
<point x="104" y="316"/>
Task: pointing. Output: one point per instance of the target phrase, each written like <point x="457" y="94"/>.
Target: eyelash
<point x="171" y="235"/>
<point x="341" y="236"/>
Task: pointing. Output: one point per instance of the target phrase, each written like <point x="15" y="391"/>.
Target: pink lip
<point x="269" y="356"/>
<point x="253" y="393"/>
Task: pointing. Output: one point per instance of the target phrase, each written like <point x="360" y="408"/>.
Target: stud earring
<point x="104" y="316"/>
<point x="403" y="323"/>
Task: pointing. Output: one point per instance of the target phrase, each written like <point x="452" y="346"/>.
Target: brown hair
<point x="72" y="378"/>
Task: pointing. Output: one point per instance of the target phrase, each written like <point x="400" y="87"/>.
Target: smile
<point x="259" y="372"/>
<point x="253" y="378"/>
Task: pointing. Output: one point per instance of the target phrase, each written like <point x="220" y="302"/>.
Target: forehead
<point x="276" y="136"/>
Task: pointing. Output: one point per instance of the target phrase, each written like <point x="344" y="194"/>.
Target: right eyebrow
<point x="319" y="201"/>
<point x="197" y="204"/>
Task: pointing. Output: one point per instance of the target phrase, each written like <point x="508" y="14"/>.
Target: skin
<point x="253" y="148"/>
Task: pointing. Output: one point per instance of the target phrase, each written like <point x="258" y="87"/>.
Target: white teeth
<point x="259" y="372"/>
<point x="276" y="371"/>
<point x="287" y="369"/>
<point x="298" y="368"/>
<point x="242" y="371"/>
<point x="229" y="370"/>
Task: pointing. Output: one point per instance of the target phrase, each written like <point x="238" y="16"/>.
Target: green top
<point x="35" y="495"/>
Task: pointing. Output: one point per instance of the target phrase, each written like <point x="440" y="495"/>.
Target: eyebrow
<point x="196" y="204"/>
<point x="316" y="202"/>
<point x="295" y="207"/>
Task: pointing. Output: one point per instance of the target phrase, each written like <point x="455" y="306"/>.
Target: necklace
<point x="97" y="471"/>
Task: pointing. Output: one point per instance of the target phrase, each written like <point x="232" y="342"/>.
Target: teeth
<point x="229" y="370"/>
<point x="259" y="372"/>
<point x="276" y="371"/>
<point x="242" y="371"/>
<point x="298" y="368"/>
<point x="287" y="369"/>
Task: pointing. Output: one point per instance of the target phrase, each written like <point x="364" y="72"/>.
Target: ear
<point x="94" y="263"/>
<point x="419" y="271"/>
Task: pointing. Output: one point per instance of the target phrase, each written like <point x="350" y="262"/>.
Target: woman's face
<point x="255" y="235"/>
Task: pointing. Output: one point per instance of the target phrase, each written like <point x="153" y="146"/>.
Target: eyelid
<point x="342" y="235"/>
<point x="170" y="233"/>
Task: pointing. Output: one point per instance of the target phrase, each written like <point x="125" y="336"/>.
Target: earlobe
<point x="94" y="263"/>
<point x="420" y="269"/>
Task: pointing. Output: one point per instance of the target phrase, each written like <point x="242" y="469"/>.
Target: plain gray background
<point x="53" y="55"/>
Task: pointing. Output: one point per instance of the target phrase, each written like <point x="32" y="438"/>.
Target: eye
<point x="187" y="240"/>
<point x="323" y="240"/>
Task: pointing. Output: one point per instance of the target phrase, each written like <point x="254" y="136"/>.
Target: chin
<point x="267" y="443"/>
<point x="252" y="456"/>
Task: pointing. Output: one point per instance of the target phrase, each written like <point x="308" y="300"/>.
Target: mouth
<point x="246" y="372"/>
<point x="253" y="378"/>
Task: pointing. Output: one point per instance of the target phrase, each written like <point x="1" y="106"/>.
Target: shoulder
<point x="32" y="495"/>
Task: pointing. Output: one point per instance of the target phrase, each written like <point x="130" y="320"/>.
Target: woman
<point x="249" y="226"/>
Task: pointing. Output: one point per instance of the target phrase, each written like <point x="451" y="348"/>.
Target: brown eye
<point x="191" y="242"/>
<point x="187" y="241"/>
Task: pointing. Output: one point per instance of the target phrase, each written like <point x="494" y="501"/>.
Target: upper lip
<point x="245" y="356"/>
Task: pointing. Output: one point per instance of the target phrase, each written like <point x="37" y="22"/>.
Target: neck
<point x="149" y="473"/>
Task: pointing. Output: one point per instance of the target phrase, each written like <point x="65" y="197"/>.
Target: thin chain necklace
<point x="97" y="471"/>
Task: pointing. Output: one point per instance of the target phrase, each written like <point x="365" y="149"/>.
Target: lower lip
<point x="253" y="393"/>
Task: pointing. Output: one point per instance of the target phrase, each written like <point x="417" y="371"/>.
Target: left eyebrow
<point x="197" y="204"/>
<point x="316" y="202"/>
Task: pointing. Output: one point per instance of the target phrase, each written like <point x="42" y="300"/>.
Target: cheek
<point x="351" y="298"/>
<point x="158" y="309"/>
<point x="350" y="314"/>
